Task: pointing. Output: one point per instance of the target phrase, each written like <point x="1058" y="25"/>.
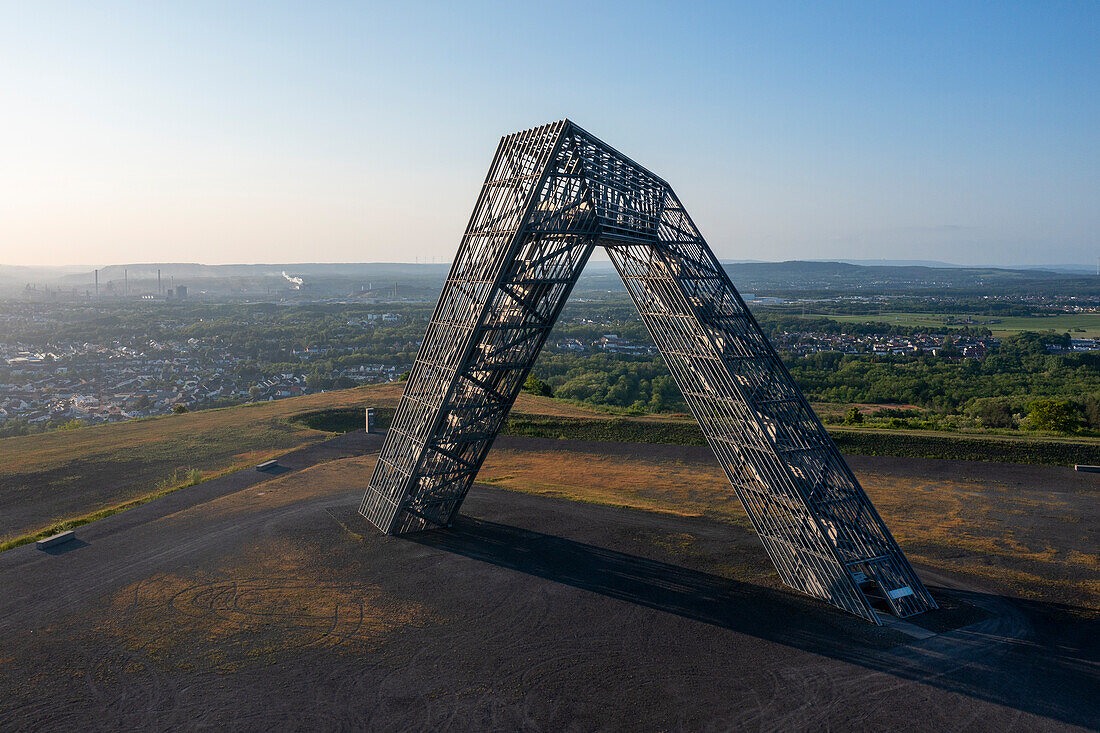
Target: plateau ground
<point x="586" y="585"/>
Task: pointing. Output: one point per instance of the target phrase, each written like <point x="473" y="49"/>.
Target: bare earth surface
<point x="260" y="601"/>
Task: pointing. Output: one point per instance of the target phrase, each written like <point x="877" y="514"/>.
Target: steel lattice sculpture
<point x="552" y="194"/>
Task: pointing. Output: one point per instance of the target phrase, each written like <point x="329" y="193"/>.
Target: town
<point x="120" y="373"/>
<point x="93" y="383"/>
<point x="69" y="365"/>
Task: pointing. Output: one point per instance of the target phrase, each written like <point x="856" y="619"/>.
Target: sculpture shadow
<point x="1055" y="677"/>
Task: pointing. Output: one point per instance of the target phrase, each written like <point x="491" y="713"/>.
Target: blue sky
<point x="290" y="132"/>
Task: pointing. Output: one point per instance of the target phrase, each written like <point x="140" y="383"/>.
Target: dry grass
<point x="1037" y="544"/>
<point x="1041" y="543"/>
<point x="686" y="489"/>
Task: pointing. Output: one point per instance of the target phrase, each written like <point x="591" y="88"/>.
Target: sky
<point x="222" y="132"/>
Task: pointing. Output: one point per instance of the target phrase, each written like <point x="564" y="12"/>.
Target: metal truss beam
<point x="551" y="195"/>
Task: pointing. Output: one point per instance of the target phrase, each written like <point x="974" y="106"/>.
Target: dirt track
<point x="257" y="605"/>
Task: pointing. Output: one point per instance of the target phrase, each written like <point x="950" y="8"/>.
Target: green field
<point x="999" y="325"/>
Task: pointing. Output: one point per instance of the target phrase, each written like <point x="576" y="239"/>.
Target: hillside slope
<point x="53" y="477"/>
<point x="64" y="477"/>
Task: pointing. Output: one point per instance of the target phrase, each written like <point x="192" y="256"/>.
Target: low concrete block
<point x="267" y="464"/>
<point x="57" y="539"/>
<point x="1087" y="469"/>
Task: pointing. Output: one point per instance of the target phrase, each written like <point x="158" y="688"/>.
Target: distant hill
<point x="834" y="277"/>
<point x="21" y="273"/>
<point x="1074" y="269"/>
<point x="1082" y="269"/>
<point x="808" y="277"/>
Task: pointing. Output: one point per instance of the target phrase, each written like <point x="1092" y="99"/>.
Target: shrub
<point x="902" y="412"/>
<point x="1057" y="416"/>
<point x="996" y="414"/>
<point x="536" y="386"/>
<point x="853" y="416"/>
<point x="1092" y="412"/>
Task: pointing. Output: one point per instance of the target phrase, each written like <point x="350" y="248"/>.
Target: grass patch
<point x="344" y="420"/>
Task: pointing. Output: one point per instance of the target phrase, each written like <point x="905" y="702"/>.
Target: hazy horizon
<point x="223" y="134"/>
<point x="598" y="258"/>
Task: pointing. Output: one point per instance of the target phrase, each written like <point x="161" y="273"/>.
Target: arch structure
<point x="552" y="194"/>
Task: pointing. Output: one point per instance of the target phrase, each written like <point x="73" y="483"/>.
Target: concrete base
<point x="57" y="539"/>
